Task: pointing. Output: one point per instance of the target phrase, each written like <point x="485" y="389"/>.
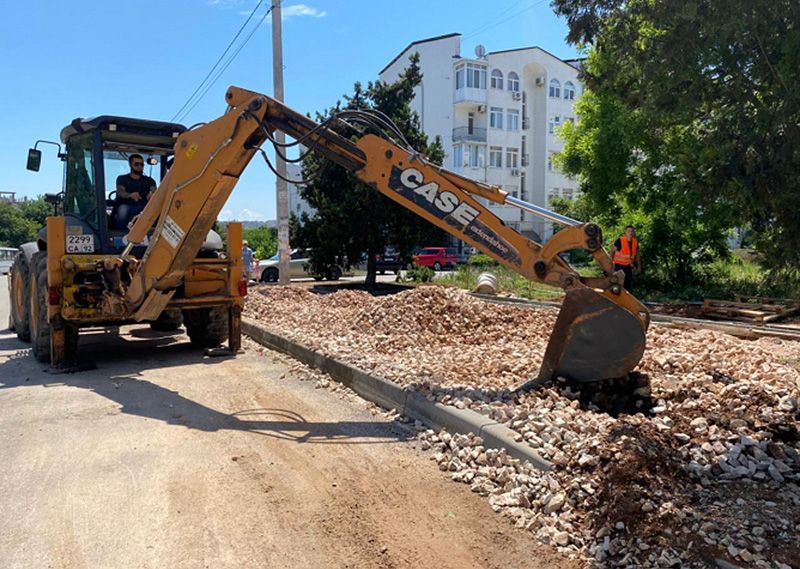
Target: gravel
<point x="695" y="457"/>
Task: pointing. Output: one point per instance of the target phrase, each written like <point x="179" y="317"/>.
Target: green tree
<point x="691" y="123"/>
<point x="262" y="240"/>
<point x="351" y="217"/>
<point x="15" y="227"/>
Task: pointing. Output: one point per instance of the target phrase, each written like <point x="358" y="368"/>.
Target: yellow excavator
<point x="168" y="266"/>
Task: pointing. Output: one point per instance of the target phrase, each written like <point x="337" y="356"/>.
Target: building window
<point x="555" y="88"/>
<point x="471" y="75"/>
<point x="497" y="79"/>
<point x="458" y="156"/>
<point x="551" y="193"/>
<point x="569" y="90"/>
<point x="496" y="117"/>
<point x="512" y="157"/>
<point x="513" y="119"/>
<point x="477" y="155"/>
<point x="555" y="122"/>
<point x="513" y="82"/>
<point x="496" y="156"/>
<point x="566" y="193"/>
<point x="550" y="162"/>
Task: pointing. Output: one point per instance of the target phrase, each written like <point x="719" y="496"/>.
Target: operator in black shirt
<point x="133" y="191"/>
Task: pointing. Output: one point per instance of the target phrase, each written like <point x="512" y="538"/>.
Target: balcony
<point x="467" y="134"/>
<point x="470" y="96"/>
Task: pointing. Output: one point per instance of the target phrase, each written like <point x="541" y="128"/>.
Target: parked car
<point x="389" y="261"/>
<point x="7" y="255"/>
<point x="299" y="267"/>
<point x="437" y="258"/>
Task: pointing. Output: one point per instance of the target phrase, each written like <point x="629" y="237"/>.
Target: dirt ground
<point x="163" y="458"/>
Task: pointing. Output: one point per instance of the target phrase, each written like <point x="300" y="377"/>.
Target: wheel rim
<point x="34" y="321"/>
<point x="437" y="267"/>
<point x="19" y="295"/>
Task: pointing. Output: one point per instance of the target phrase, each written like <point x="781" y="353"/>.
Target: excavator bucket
<point x="594" y="338"/>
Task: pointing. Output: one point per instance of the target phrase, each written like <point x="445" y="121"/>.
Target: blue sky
<point x="60" y="60"/>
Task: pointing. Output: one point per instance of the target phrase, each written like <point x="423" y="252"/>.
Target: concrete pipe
<point x="487" y="284"/>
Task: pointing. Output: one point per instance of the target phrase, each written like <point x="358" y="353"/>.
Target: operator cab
<point x="97" y="152"/>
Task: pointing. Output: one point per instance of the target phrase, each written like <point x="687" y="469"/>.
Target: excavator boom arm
<point x="599" y="333"/>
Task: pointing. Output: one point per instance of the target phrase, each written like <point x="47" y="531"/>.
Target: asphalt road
<point x="161" y="457"/>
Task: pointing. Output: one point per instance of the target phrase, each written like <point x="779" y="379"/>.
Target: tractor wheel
<point x="20" y="292"/>
<point x="41" y="329"/>
<point x="40" y="326"/>
<point x="169" y="320"/>
<point x="207" y="327"/>
<point x="334" y="274"/>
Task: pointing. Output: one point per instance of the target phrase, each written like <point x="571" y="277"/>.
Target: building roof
<point x="570" y="62"/>
<point x="412" y="44"/>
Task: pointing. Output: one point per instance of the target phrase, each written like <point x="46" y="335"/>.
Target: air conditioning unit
<point x="516" y="95"/>
<point x="540" y="81"/>
<point x="515" y="171"/>
<point x="481" y="108"/>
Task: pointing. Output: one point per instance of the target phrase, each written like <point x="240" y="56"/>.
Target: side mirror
<point x="34" y="159"/>
<point x="53" y="199"/>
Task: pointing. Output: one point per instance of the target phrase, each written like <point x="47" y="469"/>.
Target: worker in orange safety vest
<point x="625" y="255"/>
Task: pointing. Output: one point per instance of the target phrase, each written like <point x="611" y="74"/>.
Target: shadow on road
<point x="120" y="360"/>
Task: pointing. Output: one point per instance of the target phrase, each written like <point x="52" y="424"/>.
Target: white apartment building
<point x="297" y="205"/>
<point x="496" y="114"/>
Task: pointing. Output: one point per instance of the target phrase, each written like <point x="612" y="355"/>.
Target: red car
<point x="437" y="258"/>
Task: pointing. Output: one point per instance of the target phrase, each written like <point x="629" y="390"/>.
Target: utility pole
<point x="280" y="183"/>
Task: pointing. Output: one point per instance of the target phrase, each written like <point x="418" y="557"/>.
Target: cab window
<point x="79" y="191"/>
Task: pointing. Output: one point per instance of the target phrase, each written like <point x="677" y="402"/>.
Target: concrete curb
<point x="389" y="395"/>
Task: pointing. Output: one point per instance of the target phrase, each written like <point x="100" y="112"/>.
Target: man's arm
<point x="614" y="250"/>
<point x="125" y="194"/>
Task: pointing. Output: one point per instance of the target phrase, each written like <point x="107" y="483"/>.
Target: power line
<point x="200" y="86"/>
<point x="504" y="20"/>
<point x="498" y="15"/>
<point x="227" y="64"/>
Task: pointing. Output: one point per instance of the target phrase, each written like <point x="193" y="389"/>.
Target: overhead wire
<point x="227" y="49"/>
<point x="226" y="65"/>
<point x="490" y="25"/>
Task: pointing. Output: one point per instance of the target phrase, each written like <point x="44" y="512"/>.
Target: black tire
<point x="207" y="327"/>
<point x="270" y="275"/>
<point x="382" y="272"/>
<point x="334" y="274"/>
<point x="41" y="329"/>
<point x="20" y="292"/>
<point x="437" y="266"/>
<point x="169" y="320"/>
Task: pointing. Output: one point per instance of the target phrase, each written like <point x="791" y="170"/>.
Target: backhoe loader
<point x="169" y="263"/>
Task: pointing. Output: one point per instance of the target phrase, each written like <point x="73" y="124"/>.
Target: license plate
<point x="80" y="243"/>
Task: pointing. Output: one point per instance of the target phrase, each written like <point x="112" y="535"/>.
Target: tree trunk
<point x="371" y="271"/>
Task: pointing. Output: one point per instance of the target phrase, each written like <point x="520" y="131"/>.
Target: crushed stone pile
<point x="695" y="457"/>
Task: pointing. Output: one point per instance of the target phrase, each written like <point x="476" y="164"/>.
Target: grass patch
<point x="720" y="280"/>
<point x="508" y="281"/>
